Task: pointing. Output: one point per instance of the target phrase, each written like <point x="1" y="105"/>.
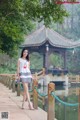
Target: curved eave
<point x="44" y="41"/>
<point x="42" y="35"/>
<point x="60" y="46"/>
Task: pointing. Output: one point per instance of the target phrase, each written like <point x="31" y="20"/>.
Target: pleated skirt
<point x="25" y="77"/>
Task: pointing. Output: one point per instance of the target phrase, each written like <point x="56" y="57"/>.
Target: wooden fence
<point x="9" y="81"/>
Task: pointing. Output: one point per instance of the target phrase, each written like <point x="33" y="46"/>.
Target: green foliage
<point x="56" y="60"/>
<point x="46" y="11"/>
<point x="13" y="25"/>
<point x="36" y="61"/>
<point x="73" y="61"/>
<point x="53" y="12"/>
<point x="17" y="16"/>
<point x="71" y="27"/>
<point x="9" y="65"/>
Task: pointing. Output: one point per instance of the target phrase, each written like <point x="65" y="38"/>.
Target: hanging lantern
<point x="47" y="47"/>
<point x="73" y="51"/>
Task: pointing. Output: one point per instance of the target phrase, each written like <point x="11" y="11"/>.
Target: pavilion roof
<point x="40" y="36"/>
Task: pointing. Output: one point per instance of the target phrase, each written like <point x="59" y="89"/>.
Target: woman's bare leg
<point x="24" y="95"/>
<point x="27" y="95"/>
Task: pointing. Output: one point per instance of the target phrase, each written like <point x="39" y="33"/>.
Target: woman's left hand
<point x="33" y="77"/>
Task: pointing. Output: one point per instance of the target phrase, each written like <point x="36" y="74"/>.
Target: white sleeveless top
<point x="24" y="65"/>
<point x="24" y="69"/>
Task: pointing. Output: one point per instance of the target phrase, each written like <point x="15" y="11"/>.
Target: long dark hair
<point x="27" y="57"/>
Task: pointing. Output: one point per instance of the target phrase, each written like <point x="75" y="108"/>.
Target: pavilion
<point x="47" y="41"/>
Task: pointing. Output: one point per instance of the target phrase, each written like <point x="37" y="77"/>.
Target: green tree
<point x="56" y="60"/>
<point x="17" y="16"/>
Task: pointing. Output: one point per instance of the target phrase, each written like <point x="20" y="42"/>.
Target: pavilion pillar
<point x="44" y="60"/>
<point x="64" y="58"/>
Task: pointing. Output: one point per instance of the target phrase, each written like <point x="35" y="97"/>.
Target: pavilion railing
<point x="74" y="78"/>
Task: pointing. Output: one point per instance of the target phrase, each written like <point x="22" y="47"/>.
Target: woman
<point x="24" y="74"/>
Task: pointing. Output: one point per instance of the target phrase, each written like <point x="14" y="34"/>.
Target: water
<point x="67" y="94"/>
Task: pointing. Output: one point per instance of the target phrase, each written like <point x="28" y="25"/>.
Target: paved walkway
<point x="11" y="103"/>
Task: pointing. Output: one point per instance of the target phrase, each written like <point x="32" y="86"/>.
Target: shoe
<point x="31" y="106"/>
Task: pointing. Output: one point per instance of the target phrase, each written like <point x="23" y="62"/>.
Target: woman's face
<point x="25" y="53"/>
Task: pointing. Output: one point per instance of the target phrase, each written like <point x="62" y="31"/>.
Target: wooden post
<point x="6" y="81"/>
<point x="10" y="82"/>
<point x="13" y="85"/>
<point x="18" y="89"/>
<point x="44" y="72"/>
<point x="51" y="102"/>
<point x="3" y="79"/>
<point x="35" y="94"/>
<point x="77" y="78"/>
<point x="79" y="106"/>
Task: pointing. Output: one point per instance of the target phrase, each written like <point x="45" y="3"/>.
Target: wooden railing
<point x="9" y="81"/>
